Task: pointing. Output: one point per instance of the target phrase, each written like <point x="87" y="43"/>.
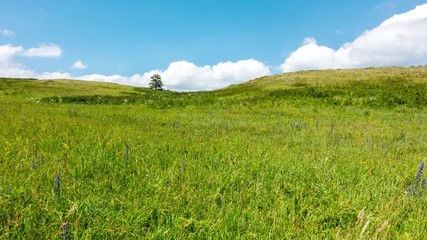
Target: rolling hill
<point x="372" y="87"/>
<point x="313" y="154"/>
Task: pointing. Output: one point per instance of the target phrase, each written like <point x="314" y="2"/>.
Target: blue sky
<point x="125" y="41"/>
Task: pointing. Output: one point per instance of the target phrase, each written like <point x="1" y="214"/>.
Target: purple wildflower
<point x="57" y="189"/>
<point x="65" y="231"/>
<point x="417" y="187"/>
<point x="33" y="164"/>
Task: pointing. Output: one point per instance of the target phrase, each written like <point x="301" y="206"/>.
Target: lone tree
<point x="156" y="82"/>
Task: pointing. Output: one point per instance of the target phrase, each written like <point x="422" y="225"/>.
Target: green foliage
<point x="251" y="161"/>
<point x="156" y="82"/>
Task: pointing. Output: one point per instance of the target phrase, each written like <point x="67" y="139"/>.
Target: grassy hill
<point x="313" y="154"/>
<point x="371" y="87"/>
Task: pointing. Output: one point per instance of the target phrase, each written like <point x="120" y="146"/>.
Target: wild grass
<point x="282" y="166"/>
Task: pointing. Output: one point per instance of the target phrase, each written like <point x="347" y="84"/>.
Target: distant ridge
<point x="292" y="79"/>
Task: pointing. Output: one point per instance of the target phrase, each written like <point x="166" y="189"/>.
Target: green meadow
<point x="306" y="155"/>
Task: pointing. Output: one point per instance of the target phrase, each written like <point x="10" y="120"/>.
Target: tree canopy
<point x="156" y="82"/>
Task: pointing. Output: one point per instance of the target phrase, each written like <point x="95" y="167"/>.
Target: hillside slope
<point x="44" y="88"/>
<point x="334" y="77"/>
<point x="370" y="87"/>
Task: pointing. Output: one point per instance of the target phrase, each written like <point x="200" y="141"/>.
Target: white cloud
<point x="186" y="76"/>
<point x="6" y="32"/>
<point x="79" y="65"/>
<point x="180" y="75"/>
<point x="17" y="72"/>
<point x="109" y="78"/>
<point x="399" y="41"/>
<point x="54" y="75"/>
<point x="7" y="52"/>
<point x="47" y="50"/>
<point x="10" y="68"/>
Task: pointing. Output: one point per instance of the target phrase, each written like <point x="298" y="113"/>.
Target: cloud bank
<point x="8" y="68"/>
<point x="180" y="75"/>
<point x="399" y="41"/>
<point x="186" y="76"/>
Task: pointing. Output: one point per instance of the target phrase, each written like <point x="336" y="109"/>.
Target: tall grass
<point x="292" y="170"/>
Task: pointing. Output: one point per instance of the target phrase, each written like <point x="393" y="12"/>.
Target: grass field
<point x="307" y="155"/>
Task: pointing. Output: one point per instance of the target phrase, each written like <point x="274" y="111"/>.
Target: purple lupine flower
<point x="65" y="231"/>
<point x="417" y="188"/>
<point x="57" y="189"/>
<point x="183" y="165"/>
<point x="423" y="187"/>
<point x="418" y="179"/>
<point x="33" y="164"/>
<point x="65" y="236"/>
<point x="420" y="169"/>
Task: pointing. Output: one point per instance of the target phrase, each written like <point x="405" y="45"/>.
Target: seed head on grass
<point x="365" y="227"/>
<point x="380" y="229"/>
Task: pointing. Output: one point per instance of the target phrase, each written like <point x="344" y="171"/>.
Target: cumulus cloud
<point x="6" y="33"/>
<point x="186" y="76"/>
<point x="112" y="78"/>
<point x="399" y="41"/>
<point x="180" y="75"/>
<point x="10" y="68"/>
<point x="7" y="52"/>
<point x="183" y="75"/>
<point x="46" y="50"/>
<point x="53" y="75"/>
<point x="79" y="65"/>
<point x="17" y="72"/>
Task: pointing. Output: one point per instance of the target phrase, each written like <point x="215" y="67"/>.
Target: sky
<point x="205" y="44"/>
